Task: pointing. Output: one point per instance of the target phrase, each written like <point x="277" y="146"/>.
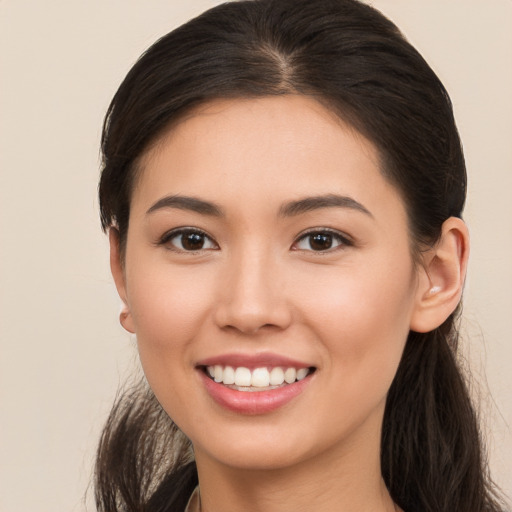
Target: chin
<point x="258" y="458"/>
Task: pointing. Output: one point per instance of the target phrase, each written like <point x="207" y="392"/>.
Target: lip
<point x="253" y="361"/>
<point x="253" y="402"/>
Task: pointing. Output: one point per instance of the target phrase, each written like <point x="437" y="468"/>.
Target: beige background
<point x="62" y="352"/>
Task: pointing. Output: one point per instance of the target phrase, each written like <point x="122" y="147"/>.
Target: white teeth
<point x="242" y="376"/>
<point x="217" y="373"/>
<point x="276" y="376"/>
<point x="302" y="373"/>
<point x="257" y="378"/>
<point x="229" y="375"/>
<point x="260" y="378"/>
<point x="290" y="375"/>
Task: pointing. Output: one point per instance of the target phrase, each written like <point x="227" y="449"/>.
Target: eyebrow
<point x="289" y="209"/>
<point x="187" y="203"/>
<point x="317" y="202"/>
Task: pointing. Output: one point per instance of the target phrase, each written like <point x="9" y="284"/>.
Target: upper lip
<point x="252" y="361"/>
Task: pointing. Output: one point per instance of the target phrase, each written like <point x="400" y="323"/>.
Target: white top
<point x="194" y="503"/>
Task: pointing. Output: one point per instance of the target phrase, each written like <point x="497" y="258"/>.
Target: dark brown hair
<point x="355" y="62"/>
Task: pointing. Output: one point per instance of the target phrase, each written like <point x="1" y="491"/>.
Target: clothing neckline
<point x="194" y="503"/>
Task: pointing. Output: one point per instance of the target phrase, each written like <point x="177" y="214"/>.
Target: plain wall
<point x="62" y="352"/>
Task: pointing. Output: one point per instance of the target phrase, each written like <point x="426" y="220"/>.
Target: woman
<point x="283" y="185"/>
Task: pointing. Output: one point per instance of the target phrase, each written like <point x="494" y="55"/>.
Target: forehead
<point x="268" y="148"/>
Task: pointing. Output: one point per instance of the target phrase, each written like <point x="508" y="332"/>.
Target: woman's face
<point x="264" y="244"/>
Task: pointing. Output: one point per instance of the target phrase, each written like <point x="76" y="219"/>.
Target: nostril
<point x="250" y="312"/>
<point x="250" y="328"/>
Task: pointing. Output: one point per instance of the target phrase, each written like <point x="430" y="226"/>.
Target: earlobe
<point x="441" y="278"/>
<point x="116" y="267"/>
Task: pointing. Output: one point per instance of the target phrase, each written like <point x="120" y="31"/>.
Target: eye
<point x="188" y="240"/>
<point x="321" y="241"/>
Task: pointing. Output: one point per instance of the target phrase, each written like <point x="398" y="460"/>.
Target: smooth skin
<point x="333" y="284"/>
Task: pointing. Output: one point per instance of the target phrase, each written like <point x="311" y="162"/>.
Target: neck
<point x="347" y="479"/>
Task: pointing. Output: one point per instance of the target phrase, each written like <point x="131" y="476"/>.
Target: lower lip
<point x="253" y="402"/>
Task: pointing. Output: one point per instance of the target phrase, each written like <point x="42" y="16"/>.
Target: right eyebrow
<point x="189" y="203"/>
<point x="325" y="201"/>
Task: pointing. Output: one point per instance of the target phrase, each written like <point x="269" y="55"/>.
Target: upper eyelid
<point x="345" y="242"/>
<point x="343" y="236"/>
<point x="347" y="239"/>
<point x="183" y="229"/>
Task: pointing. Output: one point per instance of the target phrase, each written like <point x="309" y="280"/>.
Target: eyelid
<point x="172" y="233"/>
<point x="346" y="240"/>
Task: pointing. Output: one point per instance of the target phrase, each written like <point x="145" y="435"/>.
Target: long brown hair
<point x="355" y="62"/>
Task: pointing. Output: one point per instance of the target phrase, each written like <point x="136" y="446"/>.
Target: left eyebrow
<point x="193" y="204"/>
<point x="308" y="204"/>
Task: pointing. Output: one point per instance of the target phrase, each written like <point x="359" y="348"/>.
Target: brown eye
<point x="192" y="241"/>
<point x="188" y="240"/>
<point x="319" y="241"/>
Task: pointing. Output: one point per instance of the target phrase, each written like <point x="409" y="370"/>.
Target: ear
<point x="441" y="277"/>
<point x="117" y="269"/>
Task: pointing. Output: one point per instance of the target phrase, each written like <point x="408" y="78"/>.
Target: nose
<point x="252" y="295"/>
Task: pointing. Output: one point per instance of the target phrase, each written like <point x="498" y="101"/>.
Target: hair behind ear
<point x="144" y="462"/>
<point x="431" y="448"/>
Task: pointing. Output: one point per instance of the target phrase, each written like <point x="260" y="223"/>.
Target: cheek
<point x="362" y="318"/>
<point x="169" y="305"/>
<point x="169" y="308"/>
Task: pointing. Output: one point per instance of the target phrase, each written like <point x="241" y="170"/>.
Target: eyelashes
<point x="188" y="240"/>
<point x="321" y="240"/>
<point x="193" y="240"/>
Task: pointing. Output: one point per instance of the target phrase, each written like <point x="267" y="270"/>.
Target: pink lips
<point x="253" y="361"/>
<point x="252" y="402"/>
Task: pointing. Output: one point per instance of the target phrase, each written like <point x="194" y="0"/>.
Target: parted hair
<point x="354" y="61"/>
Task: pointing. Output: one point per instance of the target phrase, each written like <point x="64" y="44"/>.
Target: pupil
<point x="320" y="241"/>
<point x="193" y="241"/>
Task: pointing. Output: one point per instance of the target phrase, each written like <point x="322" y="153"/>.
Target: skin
<point x="257" y="286"/>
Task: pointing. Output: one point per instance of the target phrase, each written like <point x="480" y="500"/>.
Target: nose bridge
<point x="252" y="294"/>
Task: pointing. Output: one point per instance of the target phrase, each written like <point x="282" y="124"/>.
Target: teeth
<point x="257" y="378"/>
<point x="302" y="373"/>
<point x="276" y="376"/>
<point x="289" y="375"/>
<point x="228" y="376"/>
<point x="260" y="378"/>
<point x="217" y="373"/>
<point x="242" y="376"/>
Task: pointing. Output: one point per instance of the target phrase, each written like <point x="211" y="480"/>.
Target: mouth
<point x="265" y="378"/>
<point x="253" y="384"/>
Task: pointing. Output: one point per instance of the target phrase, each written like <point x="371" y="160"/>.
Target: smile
<point x="258" y="379"/>
<point x="254" y="384"/>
